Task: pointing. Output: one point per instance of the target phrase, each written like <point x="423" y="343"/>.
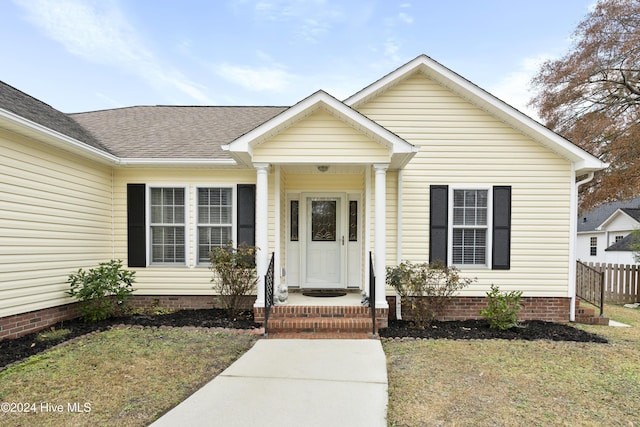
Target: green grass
<point x="131" y="376"/>
<point x="124" y="377"/>
<point x="499" y="382"/>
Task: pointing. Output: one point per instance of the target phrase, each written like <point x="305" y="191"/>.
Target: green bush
<point x="101" y="291"/>
<point x="502" y="309"/>
<point x="234" y="274"/>
<point x="425" y="288"/>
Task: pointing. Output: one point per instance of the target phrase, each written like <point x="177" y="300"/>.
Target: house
<point x="420" y="165"/>
<point x="604" y="233"/>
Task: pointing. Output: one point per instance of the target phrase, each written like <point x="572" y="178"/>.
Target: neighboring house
<point x="604" y="233"/>
<point x="420" y="165"/>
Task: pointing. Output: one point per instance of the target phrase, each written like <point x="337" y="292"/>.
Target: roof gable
<point x="583" y="161"/>
<point x="625" y="217"/>
<point x="400" y="150"/>
<point x="592" y="219"/>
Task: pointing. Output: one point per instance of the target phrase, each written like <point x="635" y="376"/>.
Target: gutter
<point x="572" y="244"/>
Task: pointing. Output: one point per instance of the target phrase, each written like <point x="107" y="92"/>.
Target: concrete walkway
<point x="293" y="383"/>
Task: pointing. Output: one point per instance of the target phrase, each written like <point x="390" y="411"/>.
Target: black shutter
<point x="246" y="214"/>
<point x="438" y="222"/>
<point x="136" y="230"/>
<point x="501" y="259"/>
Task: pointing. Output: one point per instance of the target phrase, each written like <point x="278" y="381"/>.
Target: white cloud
<point x="98" y="32"/>
<point x="312" y="18"/>
<point x="262" y="78"/>
<point x="406" y="18"/>
<point x="515" y="87"/>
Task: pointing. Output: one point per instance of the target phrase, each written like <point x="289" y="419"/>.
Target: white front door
<point x="324" y="241"/>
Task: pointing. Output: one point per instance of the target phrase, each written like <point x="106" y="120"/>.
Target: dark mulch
<point x="21" y="348"/>
<point x="479" y="329"/>
<point x="13" y="350"/>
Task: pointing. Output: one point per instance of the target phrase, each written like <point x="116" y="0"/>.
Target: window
<point x="476" y="221"/>
<point x="294" y="220"/>
<point x="215" y="219"/>
<point x="167" y="225"/>
<point x="618" y="238"/>
<point x="353" y="220"/>
<point x="159" y="218"/>
<point x="594" y="246"/>
<point x="469" y="227"/>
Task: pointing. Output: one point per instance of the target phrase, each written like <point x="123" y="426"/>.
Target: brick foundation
<point x="18" y="325"/>
<point x="533" y="308"/>
<point x="461" y="308"/>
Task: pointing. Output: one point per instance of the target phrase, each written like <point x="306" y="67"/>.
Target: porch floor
<point x="350" y="299"/>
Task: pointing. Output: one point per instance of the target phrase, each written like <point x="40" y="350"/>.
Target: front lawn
<point x="131" y="374"/>
<point x="507" y="383"/>
<point x="126" y="376"/>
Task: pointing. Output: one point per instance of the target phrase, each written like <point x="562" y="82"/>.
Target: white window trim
<point x="234" y="218"/>
<point x="450" y="226"/>
<point x="187" y="216"/>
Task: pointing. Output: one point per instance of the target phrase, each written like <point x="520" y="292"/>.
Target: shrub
<point x="101" y="291"/>
<point x="425" y="288"/>
<point x="502" y="309"/>
<point x="234" y="274"/>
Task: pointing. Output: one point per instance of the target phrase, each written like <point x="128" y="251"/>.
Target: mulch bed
<point x="12" y="350"/>
<point x="479" y="329"/>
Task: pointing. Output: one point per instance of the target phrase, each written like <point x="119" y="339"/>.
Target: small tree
<point x="635" y="244"/>
<point x="234" y="274"/>
<point x="101" y="291"/>
<point x="502" y="309"/>
<point x="425" y="288"/>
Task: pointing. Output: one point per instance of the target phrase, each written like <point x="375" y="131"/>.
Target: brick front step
<point x="319" y="324"/>
<point x="593" y="320"/>
<point x="328" y="322"/>
<point x="588" y="316"/>
<point x="323" y="335"/>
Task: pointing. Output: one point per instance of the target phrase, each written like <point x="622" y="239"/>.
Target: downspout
<point x="399" y="241"/>
<point x="572" y="244"/>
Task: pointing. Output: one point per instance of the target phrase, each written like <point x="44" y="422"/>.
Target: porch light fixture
<point x="323" y="168"/>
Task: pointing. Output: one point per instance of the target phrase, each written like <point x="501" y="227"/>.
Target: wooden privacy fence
<point x="590" y="285"/>
<point x="621" y="282"/>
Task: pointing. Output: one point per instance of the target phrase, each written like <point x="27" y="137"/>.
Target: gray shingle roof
<point x="173" y="132"/>
<point x="625" y="243"/>
<point x="590" y="220"/>
<point x="633" y="213"/>
<point x="28" y="107"/>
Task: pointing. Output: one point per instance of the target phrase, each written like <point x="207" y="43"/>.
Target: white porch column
<point x="380" y="233"/>
<point x="262" y="228"/>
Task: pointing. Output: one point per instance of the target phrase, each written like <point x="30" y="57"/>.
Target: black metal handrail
<point x="372" y="294"/>
<point x="268" y="293"/>
<point x="590" y="285"/>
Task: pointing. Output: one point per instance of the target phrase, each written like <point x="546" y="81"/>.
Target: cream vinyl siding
<point x="320" y="138"/>
<point x="191" y="279"/>
<point x="462" y="146"/>
<point x="55" y="217"/>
